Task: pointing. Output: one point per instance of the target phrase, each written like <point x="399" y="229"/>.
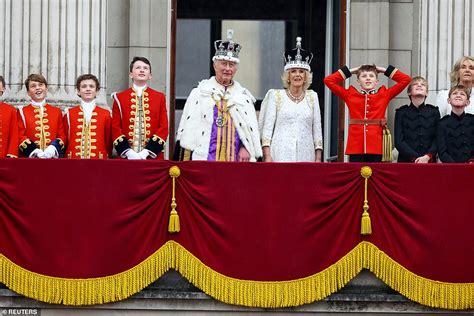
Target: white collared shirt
<point x="139" y="90"/>
<point x="40" y="105"/>
<point x="88" y="108"/>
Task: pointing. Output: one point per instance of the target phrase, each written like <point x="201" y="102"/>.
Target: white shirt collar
<point x="40" y="104"/>
<point x="88" y="108"/>
<point x="139" y="90"/>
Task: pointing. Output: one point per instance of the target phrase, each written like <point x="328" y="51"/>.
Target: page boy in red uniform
<point x="88" y="126"/>
<point x="41" y="125"/>
<point x="367" y="108"/>
<point x="139" y="116"/>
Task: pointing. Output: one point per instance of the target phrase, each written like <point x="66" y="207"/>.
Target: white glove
<point x="51" y="152"/>
<point x="132" y="155"/>
<point x="144" y="153"/>
<point x="37" y="153"/>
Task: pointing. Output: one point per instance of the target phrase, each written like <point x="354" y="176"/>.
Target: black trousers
<point x="365" y="158"/>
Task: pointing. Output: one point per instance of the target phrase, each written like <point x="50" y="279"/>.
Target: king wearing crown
<point x="219" y="121"/>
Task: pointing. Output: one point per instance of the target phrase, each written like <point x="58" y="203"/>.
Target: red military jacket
<point x="40" y="130"/>
<point x="9" y="134"/>
<point x="93" y="140"/>
<point x="366" y="138"/>
<point x="125" y="121"/>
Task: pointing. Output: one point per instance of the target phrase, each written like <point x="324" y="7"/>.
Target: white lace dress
<point x="292" y="130"/>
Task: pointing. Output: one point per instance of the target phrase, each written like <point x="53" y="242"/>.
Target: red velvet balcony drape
<point x="257" y="234"/>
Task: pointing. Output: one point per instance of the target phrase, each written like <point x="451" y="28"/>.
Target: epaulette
<point x="431" y="106"/>
<point x="444" y="117"/>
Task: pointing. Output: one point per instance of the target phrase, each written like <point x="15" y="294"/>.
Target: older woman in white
<point x="462" y="74"/>
<point x="290" y="118"/>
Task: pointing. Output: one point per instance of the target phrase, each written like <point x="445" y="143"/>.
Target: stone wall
<point x="421" y="37"/>
<point x="174" y="295"/>
<point x="443" y="34"/>
<point x="136" y="28"/>
<point x="381" y="32"/>
<point x="64" y="39"/>
<point x="57" y="38"/>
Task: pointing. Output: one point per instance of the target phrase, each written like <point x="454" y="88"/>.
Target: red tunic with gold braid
<point x="364" y="136"/>
<point x="9" y="137"/>
<point x="139" y="122"/>
<point x="40" y="128"/>
<point x="88" y="140"/>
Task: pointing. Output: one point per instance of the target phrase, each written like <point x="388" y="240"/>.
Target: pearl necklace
<point x="295" y="99"/>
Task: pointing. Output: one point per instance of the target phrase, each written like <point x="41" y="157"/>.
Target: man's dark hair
<point x="369" y="68"/>
<point x="139" y="58"/>
<point x="37" y="78"/>
<point x="87" y="77"/>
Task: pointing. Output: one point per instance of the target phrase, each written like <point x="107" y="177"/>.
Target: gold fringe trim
<point x="268" y="294"/>
<point x="416" y="288"/>
<point x="265" y="294"/>
<point x="86" y="291"/>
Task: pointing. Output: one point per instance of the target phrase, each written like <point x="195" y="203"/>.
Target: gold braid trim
<point x="419" y="289"/>
<point x="86" y="291"/>
<point x="24" y="144"/>
<point x="268" y="294"/>
<point x="158" y="139"/>
<point x="264" y="294"/>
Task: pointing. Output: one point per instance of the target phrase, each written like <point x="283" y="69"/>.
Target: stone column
<point x="60" y="39"/>
<point x="381" y="33"/>
<point x="137" y="28"/>
<point x="445" y="33"/>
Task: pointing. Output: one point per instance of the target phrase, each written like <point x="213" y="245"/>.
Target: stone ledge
<point x="173" y="294"/>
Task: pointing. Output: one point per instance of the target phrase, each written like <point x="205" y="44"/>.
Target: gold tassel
<point x="366" y="225"/>
<point x="386" y="146"/>
<point x="173" y="225"/>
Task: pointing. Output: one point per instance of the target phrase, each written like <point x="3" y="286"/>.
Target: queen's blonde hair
<point x="454" y="74"/>
<point x="308" y="79"/>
